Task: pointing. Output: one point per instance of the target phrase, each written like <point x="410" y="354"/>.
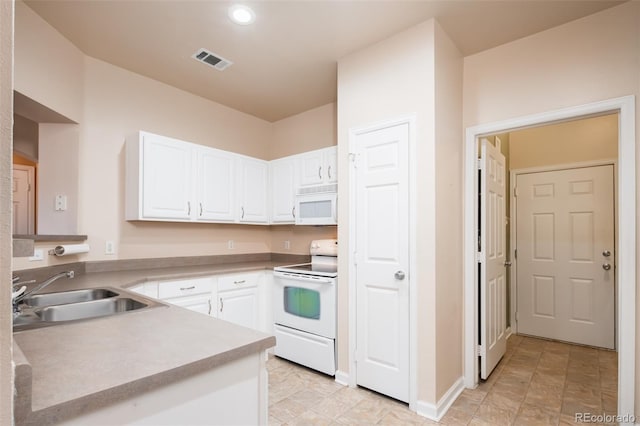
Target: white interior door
<point x="382" y="274"/>
<point x="566" y="259"/>
<point x="493" y="288"/>
<point x="23" y="199"/>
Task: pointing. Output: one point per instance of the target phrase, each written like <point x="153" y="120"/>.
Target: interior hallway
<point x="538" y="382"/>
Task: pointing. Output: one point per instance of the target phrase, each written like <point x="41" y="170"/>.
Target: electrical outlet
<point x="287" y="245"/>
<point x="109" y="247"/>
<point x="38" y="254"/>
<point x="61" y="203"/>
<point x="230" y="244"/>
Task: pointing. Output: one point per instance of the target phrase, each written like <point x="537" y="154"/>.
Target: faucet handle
<point x="18" y="292"/>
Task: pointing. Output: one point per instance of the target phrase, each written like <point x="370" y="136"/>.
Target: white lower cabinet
<point x="239" y="306"/>
<point x="195" y="294"/>
<point x="240" y="298"/>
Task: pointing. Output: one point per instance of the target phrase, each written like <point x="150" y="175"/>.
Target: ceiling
<point x="286" y="61"/>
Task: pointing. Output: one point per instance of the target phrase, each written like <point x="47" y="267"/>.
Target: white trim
<point x="513" y="223"/>
<point x="437" y="411"/>
<point x="626" y="218"/>
<point x="342" y="378"/>
<point x="413" y="275"/>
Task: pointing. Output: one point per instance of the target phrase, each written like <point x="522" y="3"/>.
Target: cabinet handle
<point x="240" y="282"/>
<point x="329" y="171"/>
<point x="209" y="313"/>
<point x="200" y="209"/>
<point x="242" y="217"/>
<point x="221" y="304"/>
<point x="293" y="212"/>
<point x="188" y="208"/>
<point x="187" y="288"/>
<point x="320" y="172"/>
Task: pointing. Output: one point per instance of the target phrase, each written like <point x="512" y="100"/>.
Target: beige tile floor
<point x="538" y="382"/>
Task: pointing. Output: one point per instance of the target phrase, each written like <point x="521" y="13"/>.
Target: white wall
<point x="6" y="128"/>
<point x="587" y="60"/>
<point x="589" y="139"/>
<point x="25" y="137"/>
<point x="417" y="71"/>
<point x="59" y="144"/>
<point x="313" y="129"/>
<point x="48" y="68"/>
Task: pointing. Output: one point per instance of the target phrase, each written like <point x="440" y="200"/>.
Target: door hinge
<point x="480" y="351"/>
<point x="29" y="187"/>
<point x="355" y="257"/>
<point x="353" y="158"/>
<point x="515" y="191"/>
<point x="480" y="257"/>
<point x="515" y="253"/>
<point x="480" y="163"/>
<point x="517" y="316"/>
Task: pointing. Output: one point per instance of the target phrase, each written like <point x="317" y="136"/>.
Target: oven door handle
<point x="286" y="276"/>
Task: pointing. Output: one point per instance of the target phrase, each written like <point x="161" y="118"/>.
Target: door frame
<point x="625" y="218"/>
<point x="410" y="120"/>
<point x="513" y="223"/>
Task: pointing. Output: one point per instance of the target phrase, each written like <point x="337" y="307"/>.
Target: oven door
<point x="306" y="303"/>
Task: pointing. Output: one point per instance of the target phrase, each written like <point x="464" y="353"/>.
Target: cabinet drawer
<point x="230" y="282"/>
<point x="188" y="287"/>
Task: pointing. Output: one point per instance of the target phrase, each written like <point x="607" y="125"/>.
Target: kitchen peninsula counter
<point x="68" y="370"/>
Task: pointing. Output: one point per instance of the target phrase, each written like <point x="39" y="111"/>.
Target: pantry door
<point x="492" y="257"/>
<point x="565" y="255"/>
<point x="382" y="260"/>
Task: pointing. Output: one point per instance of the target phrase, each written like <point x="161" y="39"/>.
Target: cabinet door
<point x="283" y="190"/>
<point x="167" y="176"/>
<point x="239" y="306"/>
<point x="253" y="180"/>
<point x="311" y="168"/>
<point x="215" y="185"/>
<point x="201" y="304"/>
<point x="331" y="164"/>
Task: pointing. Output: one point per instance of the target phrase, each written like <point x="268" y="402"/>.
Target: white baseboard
<point x="509" y="332"/>
<point x="342" y="378"/>
<point x="437" y="411"/>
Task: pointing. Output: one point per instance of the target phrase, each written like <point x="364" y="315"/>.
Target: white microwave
<point x="317" y="205"/>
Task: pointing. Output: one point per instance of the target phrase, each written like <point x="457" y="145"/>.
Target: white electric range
<point x="305" y="308"/>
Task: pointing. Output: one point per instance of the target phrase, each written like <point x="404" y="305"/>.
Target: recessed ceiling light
<point x="241" y="14"/>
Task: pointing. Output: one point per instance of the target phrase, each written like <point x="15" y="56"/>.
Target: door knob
<point x="606" y="266"/>
<point x="606" y="253"/>
<point x="399" y="275"/>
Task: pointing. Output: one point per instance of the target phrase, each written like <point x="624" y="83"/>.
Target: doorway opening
<point x="624" y="246"/>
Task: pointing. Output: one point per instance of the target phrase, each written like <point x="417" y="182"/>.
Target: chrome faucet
<point x="21" y="294"/>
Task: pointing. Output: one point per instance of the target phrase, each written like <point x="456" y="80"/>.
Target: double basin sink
<point x="46" y="309"/>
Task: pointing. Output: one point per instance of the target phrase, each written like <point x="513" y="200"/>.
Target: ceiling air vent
<point x="212" y="59"/>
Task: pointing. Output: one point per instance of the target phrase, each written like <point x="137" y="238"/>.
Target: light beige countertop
<point x="80" y="366"/>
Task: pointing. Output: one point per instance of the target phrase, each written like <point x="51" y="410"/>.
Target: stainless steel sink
<point x="73" y="296"/>
<point x="83" y="310"/>
<point x="48" y="309"/>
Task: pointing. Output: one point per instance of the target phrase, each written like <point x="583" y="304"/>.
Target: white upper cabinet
<point x="175" y="181"/>
<point x="253" y="178"/>
<point x="215" y="182"/>
<point x="282" y="173"/>
<point x="159" y="179"/>
<point x="318" y="167"/>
